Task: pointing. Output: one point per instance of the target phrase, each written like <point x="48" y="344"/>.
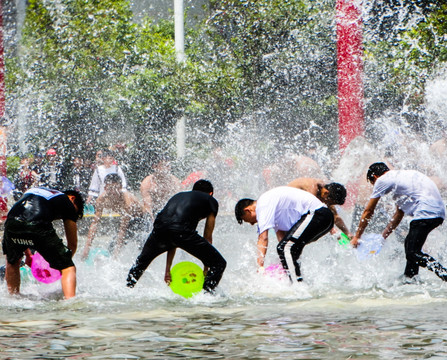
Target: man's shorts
<point x="20" y="235"/>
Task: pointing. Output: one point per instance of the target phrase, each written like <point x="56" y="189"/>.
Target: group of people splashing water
<point x="300" y="213"/>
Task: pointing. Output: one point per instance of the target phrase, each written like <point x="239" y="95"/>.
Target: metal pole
<point x="179" y="30"/>
<point x="180" y="54"/>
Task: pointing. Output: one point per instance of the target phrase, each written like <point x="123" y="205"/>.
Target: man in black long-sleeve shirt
<point x="175" y="227"/>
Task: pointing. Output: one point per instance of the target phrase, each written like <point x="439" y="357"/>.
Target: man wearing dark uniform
<point x="175" y="227"/>
<point x="29" y="226"/>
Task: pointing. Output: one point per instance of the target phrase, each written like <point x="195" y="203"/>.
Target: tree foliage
<point x="285" y="53"/>
<point x="88" y="74"/>
<point x="79" y="60"/>
<point x="403" y="52"/>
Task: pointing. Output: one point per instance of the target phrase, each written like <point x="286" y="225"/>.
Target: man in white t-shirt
<point x="297" y="217"/>
<point x="415" y="195"/>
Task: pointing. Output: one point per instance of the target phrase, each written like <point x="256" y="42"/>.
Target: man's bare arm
<point x="263" y="241"/>
<point x="93" y="227"/>
<point x="364" y="220"/>
<point x="71" y="233"/>
<point x="169" y="259"/>
<point x="395" y="221"/>
<point x="338" y="221"/>
<point x="209" y="228"/>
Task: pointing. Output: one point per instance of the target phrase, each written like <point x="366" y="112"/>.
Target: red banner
<point x="350" y="69"/>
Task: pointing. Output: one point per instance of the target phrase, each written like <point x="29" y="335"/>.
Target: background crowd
<point x="86" y="172"/>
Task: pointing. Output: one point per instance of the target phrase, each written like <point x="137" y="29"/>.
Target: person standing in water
<point x="298" y="218"/>
<point x="29" y="226"/>
<point x="157" y="188"/>
<point x="52" y="171"/>
<point x="122" y="202"/>
<point x="175" y="227"/>
<point x="107" y="167"/>
<point x="417" y="196"/>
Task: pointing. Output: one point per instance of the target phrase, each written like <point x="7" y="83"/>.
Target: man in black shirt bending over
<point x="29" y="226"/>
<point x="175" y="227"/>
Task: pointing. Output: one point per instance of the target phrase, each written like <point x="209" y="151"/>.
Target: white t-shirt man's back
<point x="415" y="193"/>
<point x="281" y="207"/>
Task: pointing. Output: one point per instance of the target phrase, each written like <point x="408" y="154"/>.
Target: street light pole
<point x="180" y="55"/>
<point x="179" y="30"/>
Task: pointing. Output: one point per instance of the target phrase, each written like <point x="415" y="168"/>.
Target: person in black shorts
<point x="29" y="226"/>
<point x="175" y="227"/>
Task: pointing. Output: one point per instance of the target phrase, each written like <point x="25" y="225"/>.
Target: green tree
<point x="87" y="69"/>
<point x="88" y="74"/>
<point x="285" y="53"/>
<point x="403" y="52"/>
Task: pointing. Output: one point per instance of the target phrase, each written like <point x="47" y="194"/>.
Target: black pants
<point x="308" y="229"/>
<point x="162" y="241"/>
<point x="419" y="230"/>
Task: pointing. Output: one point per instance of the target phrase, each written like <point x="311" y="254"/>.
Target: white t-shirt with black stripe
<point x="281" y="207"/>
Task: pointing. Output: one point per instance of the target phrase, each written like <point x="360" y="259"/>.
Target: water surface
<point x="345" y="309"/>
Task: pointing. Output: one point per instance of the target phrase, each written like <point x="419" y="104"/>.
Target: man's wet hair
<point x="113" y="179"/>
<point x="337" y="193"/>
<point x="79" y="201"/>
<point x="239" y="208"/>
<point x="376" y="169"/>
<point x="203" y="186"/>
